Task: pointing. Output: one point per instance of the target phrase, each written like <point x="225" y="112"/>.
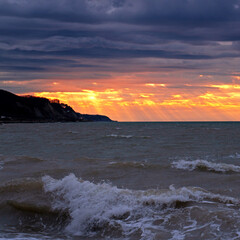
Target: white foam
<point x="119" y="136"/>
<point x="26" y="237"/>
<point x="205" y="165"/>
<point x="19" y="238"/>
<point x="103" y="206"/>
<point x="177" y="235"/>
<point x="236" y="155"/>
<point x="29" y="236"/>
<point x="126" y="136"/>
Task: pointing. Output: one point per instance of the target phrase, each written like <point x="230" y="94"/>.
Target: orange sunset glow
<point x="154" y="102"/>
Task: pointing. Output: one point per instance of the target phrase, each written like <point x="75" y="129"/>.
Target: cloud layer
<point x="60" y="45"/>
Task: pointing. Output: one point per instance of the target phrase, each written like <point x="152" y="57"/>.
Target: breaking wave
<point x="105" y="210"/>
<point x="205" y="165"/>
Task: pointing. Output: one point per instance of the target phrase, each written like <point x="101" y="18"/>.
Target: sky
<point x="132" y="60"/>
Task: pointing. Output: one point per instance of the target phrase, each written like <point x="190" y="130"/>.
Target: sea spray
<point x="102" y="208"/>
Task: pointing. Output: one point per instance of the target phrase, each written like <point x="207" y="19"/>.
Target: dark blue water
<point x="120" y="180"/>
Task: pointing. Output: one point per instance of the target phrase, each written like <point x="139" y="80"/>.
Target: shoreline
<point x="48" y="121"/>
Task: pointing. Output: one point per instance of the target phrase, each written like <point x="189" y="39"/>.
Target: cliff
<point x="15" y="108"/>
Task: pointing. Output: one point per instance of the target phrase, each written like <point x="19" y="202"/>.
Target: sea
<point x="119" y="180"/>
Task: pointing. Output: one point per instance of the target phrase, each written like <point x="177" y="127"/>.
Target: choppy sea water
<point x="120" y="181"/>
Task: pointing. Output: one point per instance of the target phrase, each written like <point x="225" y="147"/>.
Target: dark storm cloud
<point x="100" y="52"/>
<point x="139" y="12"/>
<point x="62" y="10"/>
<point x="59" y="35"/>
<point x="191" y="12"/>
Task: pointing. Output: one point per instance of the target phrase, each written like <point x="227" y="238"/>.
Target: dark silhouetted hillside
<point x="15" y="108"/>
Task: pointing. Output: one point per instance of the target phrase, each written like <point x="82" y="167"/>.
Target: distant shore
<point x="30" y="109"/>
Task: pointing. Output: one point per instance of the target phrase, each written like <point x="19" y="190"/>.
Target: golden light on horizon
<point x="155" y="85"/>
<point x="226" y="86"/>
<point x="218" y="102"/>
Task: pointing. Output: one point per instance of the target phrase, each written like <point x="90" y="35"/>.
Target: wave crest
<point x="100" y="208"/>
<point x="205" y="165"/>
